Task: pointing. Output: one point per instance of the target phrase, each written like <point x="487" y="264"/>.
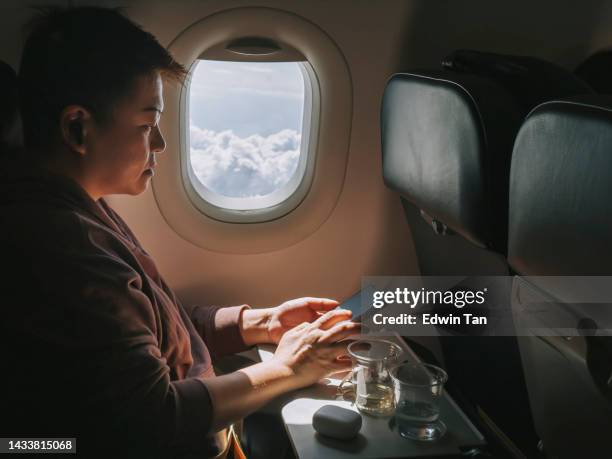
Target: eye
<point x="147" y="127"/>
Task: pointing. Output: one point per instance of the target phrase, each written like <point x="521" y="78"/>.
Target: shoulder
<point x="64" y="257"/>
<point x="42" y="235"/>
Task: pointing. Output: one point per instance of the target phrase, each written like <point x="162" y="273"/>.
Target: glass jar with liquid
<point x="369" y="381"/>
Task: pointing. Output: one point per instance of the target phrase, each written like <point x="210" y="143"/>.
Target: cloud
<point x="251" y="166"/>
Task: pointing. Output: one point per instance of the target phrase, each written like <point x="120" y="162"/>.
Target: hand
<point x="312" y="351"/>
<point x="268" y="325"/>
<point x="294" y="312"/>
<point x="305" y="354"/>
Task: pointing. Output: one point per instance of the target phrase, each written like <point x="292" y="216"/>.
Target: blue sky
<point x="245" y="125"/>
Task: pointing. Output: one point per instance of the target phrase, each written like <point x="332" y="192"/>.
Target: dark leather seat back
<point x="561" y="190"/>
<point x="560" y="224"/>
<point x="446" y="142"/>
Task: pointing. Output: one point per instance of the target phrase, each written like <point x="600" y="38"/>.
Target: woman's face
<point x="120" y="155"/>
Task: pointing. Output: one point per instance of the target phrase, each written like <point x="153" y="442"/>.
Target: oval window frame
<point x="332" y="143"/>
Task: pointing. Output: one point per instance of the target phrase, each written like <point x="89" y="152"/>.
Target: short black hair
<point x="87" y="56"/>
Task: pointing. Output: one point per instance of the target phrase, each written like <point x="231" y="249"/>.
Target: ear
<point x="75" y="123"/>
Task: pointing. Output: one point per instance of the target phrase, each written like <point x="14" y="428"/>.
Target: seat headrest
<point x="560" y="216"/>
<point x="531" y="81"/>
<point x="446" y="143"/>
<point x="10" y="133"/>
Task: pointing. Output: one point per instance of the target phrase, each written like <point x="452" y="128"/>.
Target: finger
<point x="321" y="304"/>
<point x="341" y="314"/>
<point x="300" y="328"/>
<point x="329" y="315"/>
<point x="340" y="331"/>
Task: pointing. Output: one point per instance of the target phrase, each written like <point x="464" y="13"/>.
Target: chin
<point x="141" y="190"/>
<point x="137" y="188"/>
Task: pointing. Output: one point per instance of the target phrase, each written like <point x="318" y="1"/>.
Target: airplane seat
<point x="560" y="224"/>
<point x="447" y="138"/>
<point x="10" y="132"/>
<point x="446" y="144"/>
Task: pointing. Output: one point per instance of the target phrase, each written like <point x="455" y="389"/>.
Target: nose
<point x="158" y="144"/>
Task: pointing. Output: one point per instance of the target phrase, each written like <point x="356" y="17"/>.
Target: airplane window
<point x="261" y="130"/>
<point x="248" y="132"/>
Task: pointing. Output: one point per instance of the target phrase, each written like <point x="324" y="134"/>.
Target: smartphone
<point x="353" y="304"/>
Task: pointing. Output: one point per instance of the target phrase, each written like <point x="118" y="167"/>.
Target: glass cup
<point x="369" y="381"/>
<point x="417" y="391"/>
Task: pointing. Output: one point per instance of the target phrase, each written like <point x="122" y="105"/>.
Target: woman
<point x="99" y="347"/>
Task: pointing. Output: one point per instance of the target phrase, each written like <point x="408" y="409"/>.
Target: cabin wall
<point x="366" y="233"/>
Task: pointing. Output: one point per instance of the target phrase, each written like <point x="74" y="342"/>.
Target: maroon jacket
<point x="97" y="346"/>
